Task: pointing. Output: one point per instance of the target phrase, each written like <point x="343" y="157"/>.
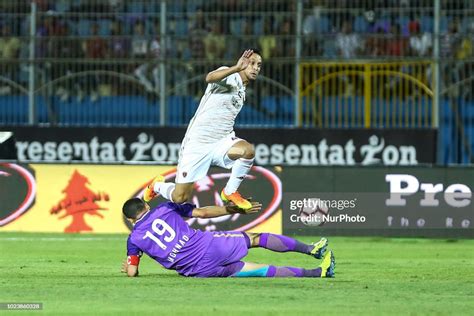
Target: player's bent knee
<point x="249" y="152"/>
<point x="254" y="239"/>
<point x="180" y="197"/>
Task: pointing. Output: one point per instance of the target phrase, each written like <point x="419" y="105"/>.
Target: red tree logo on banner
<point x="79" y="201"/>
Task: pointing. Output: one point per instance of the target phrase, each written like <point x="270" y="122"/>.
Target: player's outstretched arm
<point x="219" y="74"/>
<point x="216" y="211"/>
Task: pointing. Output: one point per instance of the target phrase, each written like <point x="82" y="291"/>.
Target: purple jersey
<point x="163" y="234"/>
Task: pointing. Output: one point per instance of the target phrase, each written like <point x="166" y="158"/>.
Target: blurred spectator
<point x="247" y="38"/>
<point x="214" y="42"/>
<point x="420" y="43"/>
<point x="119" y="45"/>
<point x="397" y="44"/>
<point x="146" y="48"/>
<point x="464" y="69"/>
<point x="140" y="50"/>
<point x="286" y="42"/>
<point x="449" y="40"/>
<point x="312" y="22"/>
<point x="65" y="49"/>
<point x="95" y="47"/>
<point x="44" y="5"/>
<point x="285" y="50"/>
<point x="376" y="44"/>
<point x="268" y="41"/>
<point x="197" y="31"/>
<point x="9" y="44"/>
<point x="312" y="25"/>
<point x="48" y="28"/>
<point x="140" y="42"/>
<point x="465" y="48"/>
<point x="348" y="44"/>
<point x="9" y="52"/>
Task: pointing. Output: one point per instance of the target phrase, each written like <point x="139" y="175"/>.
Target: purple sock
<point x="282" y="243"/>
<point x="290" y="272"/>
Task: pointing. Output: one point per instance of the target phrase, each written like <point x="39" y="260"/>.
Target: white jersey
<point x="215" y="117"/>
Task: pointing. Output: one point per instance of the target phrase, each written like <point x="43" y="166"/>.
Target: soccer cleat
<point x="237" y="199"/>
<point x="149" y="193"/>
<point x="319" y="248"/>
<point x="328" y="265"/>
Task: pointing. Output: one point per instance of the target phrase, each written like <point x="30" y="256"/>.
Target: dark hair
<point x="255" y="51"/>
<point x="133" y="207"/>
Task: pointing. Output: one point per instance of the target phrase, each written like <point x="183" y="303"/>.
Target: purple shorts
<point x="222" y="258"/>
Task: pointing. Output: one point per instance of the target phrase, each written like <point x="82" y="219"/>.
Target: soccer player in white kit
<point x="210" y="138"/>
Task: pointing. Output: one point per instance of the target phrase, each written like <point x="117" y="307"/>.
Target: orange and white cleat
<point x="237" y="199"/>
<point x="149" y="193"/>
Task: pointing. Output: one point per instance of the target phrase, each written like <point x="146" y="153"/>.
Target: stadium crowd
<point x="124" y="36"/>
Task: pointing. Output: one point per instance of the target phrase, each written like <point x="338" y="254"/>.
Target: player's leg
<point x="175" y="192"/>
<point x="240" y="157"/>
<point x="324" y="270"/>
<point x="281" y="243"/>
<point x="193" y="165"/>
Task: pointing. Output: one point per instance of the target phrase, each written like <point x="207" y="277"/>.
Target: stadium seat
<point x="465" y="26"/>
<point x="174" y="109"/>
<point x="62" y="6"/>
<point x="443" y="23"/>
<point x="191" y="6"/>
<point x="175" y="7"/>
<point x="181" y="27"/>
<point x="270" y="104"/>
<point x="104" y="27"/>
<point x="41" y="110"/>
<point x="445" y="132"/>
<point x="426" y="24"/>
<point x="135" y="7"/>
<point x="13" y="109"/>
<point x="153" y="7"/>
<point x="329" y="48"/>
<point x="403" y="21"/>
<point x="360" y="24"/>
<point x="83" y="27"/>
<point x="258" y="27"/>
<point x="236" y="26"/>
<point x="323" y="24"/>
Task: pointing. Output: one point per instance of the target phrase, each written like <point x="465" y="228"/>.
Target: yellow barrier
<point x="365" y="94"/>
<point x="87" y="198"/>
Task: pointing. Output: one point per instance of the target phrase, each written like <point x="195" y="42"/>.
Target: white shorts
<point x="196" y="158"/>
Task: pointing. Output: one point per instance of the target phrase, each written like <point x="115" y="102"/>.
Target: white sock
<point x="165" y="189"/>
<point x="240" y="169"/>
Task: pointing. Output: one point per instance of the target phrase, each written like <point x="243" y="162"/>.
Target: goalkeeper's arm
<point x="130" y="266"/>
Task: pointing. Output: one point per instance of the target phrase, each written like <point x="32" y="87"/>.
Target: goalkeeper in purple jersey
<point x="163" y="234"/>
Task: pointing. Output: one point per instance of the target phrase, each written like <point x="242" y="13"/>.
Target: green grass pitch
<point x="79" y="274"/>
